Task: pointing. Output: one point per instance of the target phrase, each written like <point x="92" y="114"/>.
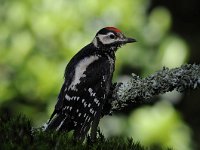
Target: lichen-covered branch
<point x="165" y="80"/>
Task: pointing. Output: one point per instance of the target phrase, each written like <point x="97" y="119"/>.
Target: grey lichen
<point x="165" y="80"/>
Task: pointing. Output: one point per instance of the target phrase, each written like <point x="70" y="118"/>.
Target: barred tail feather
<point x="59" y="122"/>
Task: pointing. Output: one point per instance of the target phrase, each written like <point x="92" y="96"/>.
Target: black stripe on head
<point x="104" y="31"/>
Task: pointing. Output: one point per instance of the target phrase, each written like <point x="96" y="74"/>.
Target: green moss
<point x="17" y="133"/>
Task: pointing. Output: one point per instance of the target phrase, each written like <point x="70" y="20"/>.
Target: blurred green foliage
<point x="151" y="125"/>
<point x="38" y="38"/>
<point x="162" y="118"/>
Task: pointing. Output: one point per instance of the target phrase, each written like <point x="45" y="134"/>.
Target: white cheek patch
<point x="105" y="39"/>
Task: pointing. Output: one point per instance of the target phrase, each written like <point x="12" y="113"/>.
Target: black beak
<point x="126" y="40"/>
<point x="129" y="40"/>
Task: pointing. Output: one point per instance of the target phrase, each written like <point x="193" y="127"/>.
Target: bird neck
<point x="105" y="51"/>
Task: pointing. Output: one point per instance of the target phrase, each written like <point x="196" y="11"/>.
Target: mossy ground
<point x="16" y="133"/>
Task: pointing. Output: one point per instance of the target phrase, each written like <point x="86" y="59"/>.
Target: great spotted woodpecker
<point x="88" y="79"/>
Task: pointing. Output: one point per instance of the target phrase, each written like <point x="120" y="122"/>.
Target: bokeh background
<point x="38" y="38"/>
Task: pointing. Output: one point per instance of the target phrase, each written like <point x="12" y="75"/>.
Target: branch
<point x="165" y="80"/>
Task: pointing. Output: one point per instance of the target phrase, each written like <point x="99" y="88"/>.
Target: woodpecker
<point x="87" y="82"/>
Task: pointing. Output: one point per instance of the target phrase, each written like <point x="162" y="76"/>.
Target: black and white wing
<point x="83" y="94"/>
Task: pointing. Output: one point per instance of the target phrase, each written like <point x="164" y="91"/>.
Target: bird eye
<point x="112" y="36"/>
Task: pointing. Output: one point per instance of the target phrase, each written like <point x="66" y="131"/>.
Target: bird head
<point x="110" y="38"/>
